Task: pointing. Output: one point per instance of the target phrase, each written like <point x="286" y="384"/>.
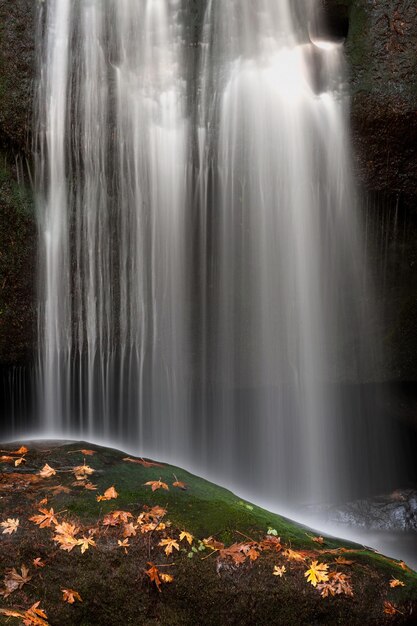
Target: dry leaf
<point x="180" y="485"/>
<point x="124" y="544"/>
<point x="342" y="561"/>
<point x="169" y="544"/>
<point x="19" y="461"/>
<point x="394" y="582"/>
<point x="47" y="471"/>
<point x="109" y="494"/>
<point x="45" y="520"/>
<point x="153" y="573"/>
<point x="85" y="543"/>
<point x="70" y="596"/>
<point x="317" y="573"/>
<point x="38" y="562"/>
<point x="81" y="472"/>
<point x="10" y="526"/>
<point x="14" y="581"/>
<point x="390" y="609"/>
<point x="187" y="536"/>
<point x="157" y="484"/>
<point x="142" y="462"/>
<point x="279" y="571"/>
<point x="292" y="555"/>
<point x="166" y="578"/>
<point x="212" y="543"/>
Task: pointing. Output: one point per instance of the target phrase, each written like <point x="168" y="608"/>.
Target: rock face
<point x="395" y="512"/>
<point x="17" y="223"/>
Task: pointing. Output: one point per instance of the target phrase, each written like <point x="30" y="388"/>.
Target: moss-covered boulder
<point x="116" y="550"/>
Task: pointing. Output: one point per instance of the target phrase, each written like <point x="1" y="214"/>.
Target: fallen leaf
<point x="390" y="609"/>
<point x="187" y="536"/>
<point x="124" y="544"/>
<point x="57" y="489"/>
<point x="81" y="472"/>
<point x="317" y="573"/>
<point x="88" y="452"/>
<point x="19" y="461"/>
<point x="212" y="543"/>
<point x="85" y="543"/>
<point x="129" y="530"/>
<point x="394" y="582"/>
<point x="142" y="462"/>
<point x="46" y="519"/>
<point x="169" y="545"/>
<point x="70" y="596"/>
<point x="38" y="562"/>
<point x="153" y="573"/>
<point x="116" y="517"/>
<point x="32" y="617"/>
<point x="10" y="526"/>
<point x="319" y="540"/>
<point x="47" y="471"/>
<point x="342" y="561"/>
<point x="109" y="494"/>
<point x="90" y="486"/>
<point x="180" y="485"/>
<point x="13" y="580"/>
<point x="279" y="571"/>
<point x="157" y="484"/>
<point x="292" y="555"/>
<point x="166" y="578"/>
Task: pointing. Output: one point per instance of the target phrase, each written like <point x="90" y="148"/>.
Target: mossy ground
<point x="113" y="585"/>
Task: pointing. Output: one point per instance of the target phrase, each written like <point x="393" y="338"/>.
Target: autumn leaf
<point x="390" y="609"/>
<point x="81" y="472"/>
<point x="13" y="580"/>
<point x="169" y="545"/>
<point x="58" y="489"/>
<point x="157" y="484"/>
<point x="7" y="459"/>
<point x="153" y="573"/>
<point x="180" y="485"/>
<point x="342" y="561"/>
<point x="317" y="573"/>
<point x="124" y="544"/>
<point x="116" y="517"/>
<point x="142" y="462"/>
<point x="32" y="617"/>
<point x="85" y="543"/>
<point x="45" y="520"/>
<point x="109" y="494"/>
<point x="292" y="555"/>
<point x="129" y="530"/>
<point x="166" y="578"/>
<point x="65" y="536"/>
<point x="90" y="487"/>
<point x="187" y="536"/>
<point x="19" y="461"/>
<point x="47" y="471"/>
<point x="212" y="543"/>
<point x="70" y="596"/>
<point x="271" y="543"/>
<point x="279" y="571"/>
<point x="394" y="582"/>
<point x="319" y="540"/>
<point x="22" y="450"/>
<point x="10" y="526"/>
<point x="38" y="562"/>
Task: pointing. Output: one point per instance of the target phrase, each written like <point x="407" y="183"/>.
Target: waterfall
<point x="202" y="277"/>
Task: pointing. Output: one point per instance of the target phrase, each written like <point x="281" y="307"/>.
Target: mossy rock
<point x="113" y="583"/>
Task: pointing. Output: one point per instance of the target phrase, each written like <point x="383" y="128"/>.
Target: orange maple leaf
<point x="109" y="494"/>
<point x="46" y="519"/>
<point x="157" y="484"/>
<point x="70" y="596"/>
<point x="47" y="471"/>
<point x="394" y="582"/>
<point x="142" y="462"/>
<point x="10" y="526"/>
<point x="38" y="562"/>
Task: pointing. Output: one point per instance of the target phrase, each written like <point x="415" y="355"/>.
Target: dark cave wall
<point x="381" y="49"/>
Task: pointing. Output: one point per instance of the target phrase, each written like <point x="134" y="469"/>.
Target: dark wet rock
<point x="394" y="512"/>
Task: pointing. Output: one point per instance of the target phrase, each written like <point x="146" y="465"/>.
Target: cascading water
<point x="201" y="272"/>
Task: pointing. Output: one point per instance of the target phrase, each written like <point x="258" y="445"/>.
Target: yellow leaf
<point x="394" y="582"/>
<point x="169" y="545"/>
<point x="166" y="578"/>
<point x="187" y="536"/>
<point x="317" y="573"/>
<point x="292" y="555"/>
<point x="85" y="543"/>
<point x="10" y="526"/>
<point x="70" y="596"/>
<point x="279" y="571"/>
<point x="47" y="471"/>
